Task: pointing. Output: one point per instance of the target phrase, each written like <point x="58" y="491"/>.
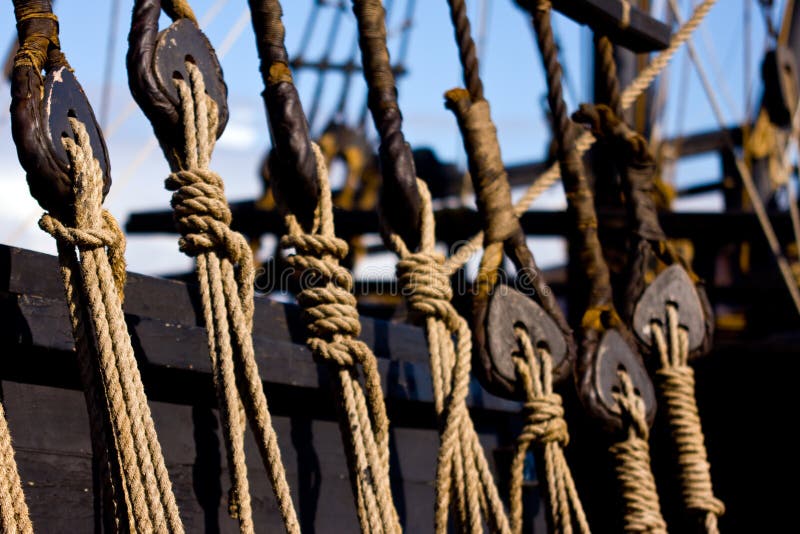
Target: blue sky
<point x="511" y="71"/>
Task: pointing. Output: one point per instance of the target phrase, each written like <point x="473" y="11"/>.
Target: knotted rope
<point x="13" y="508"/>
<point x="586" y="140"/>
<point x="675" y="382"/>
<point x="632" y="464"/>
<point x="462" y="473"/>
<point x="94" y="294"/>
<point x="225" y="272"/>
<point x="333" y="327"/>
<point x="544" y="427"/>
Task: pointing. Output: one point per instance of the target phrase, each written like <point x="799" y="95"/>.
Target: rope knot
<point x="544" y="420"/>
<point x="426" y="285"/>
<point x="202" y="215"/>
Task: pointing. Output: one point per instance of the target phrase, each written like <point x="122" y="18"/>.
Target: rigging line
<point x="747" y="52"/>
<point x="407" y="26"/>
<point x="786" y="22"/>
<point x="744" y="172"/>
<point x="362" y="119"/>
<point x="105" y="100"/>
<point x="348" y="80"/>
<point x="716" y="67"/>
<point x="233" y="35"/>
<point x="322" y="72"/>
<point x="212" y="13"/>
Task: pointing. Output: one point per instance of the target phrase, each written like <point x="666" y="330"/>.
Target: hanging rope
<point x="225" y="272"/>
<point x="100" y="274"/>
<point x="544" y="427"/>
<point x="675" y="382"/>
<point x="13" y="509"/>
<point x="463" y="477"/>
<point x="632" y="464"/>
<point x="586" y="140"/>
<point x="333" y="327"/>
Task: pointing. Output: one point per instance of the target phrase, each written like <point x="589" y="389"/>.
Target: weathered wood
<point x="165" y="325"/>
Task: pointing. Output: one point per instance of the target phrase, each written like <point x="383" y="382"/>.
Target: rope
<point x="466" y="49"/>
<point x="586" y="140"/>
<point x="99" y="275"/>
<point x="225" y="273"/>
<point x="333" y="327"/>
<point x="675" y="382"/>
<point x="546" y="428"/>
<point x="632" y="465"/>
<point x="462" y="474"/>
<point x="13" y="509"/>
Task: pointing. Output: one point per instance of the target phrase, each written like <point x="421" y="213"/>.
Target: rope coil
<point x="632" y="464"/>
<point x="333" y="328"/>
<point x="675" y="382"/>
<point x="546" y="428"/>
<point x="463" y="476"/>
<point x="226" y="276"/>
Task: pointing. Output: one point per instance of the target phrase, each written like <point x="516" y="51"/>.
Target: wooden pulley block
<point x="604" y="353"/>
<point x="38" y="125"/>
<point x="781" y="92"/>
<point x="509" y="308"/>
<point x="155" y="59"/>
<point x="672" y="286"/>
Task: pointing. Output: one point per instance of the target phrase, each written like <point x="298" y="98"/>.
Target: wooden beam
<point x="642" y="33"/>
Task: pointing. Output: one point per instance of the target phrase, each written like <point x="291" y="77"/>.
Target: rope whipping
<point x="225" y="273"/>
<point x="586" y="140"/>
<point x="543" y="412"/>
<point x="632" y="456"/>
<point x="333" y="327"/>
<point x="546" y="429"/>
<point x="463" y="477"/>
<point x="675" y="383"/>
<point x="94" y="279"/>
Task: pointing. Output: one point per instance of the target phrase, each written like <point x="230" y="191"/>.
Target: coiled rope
<point x="94" y="286"/>
<point x="586" y="140"/>
<point x="544" y="427"/>
<point x="225" y="271"/>
<point x="333" y="328"/>
<point x="675" y="383"/>
<point x="632" y="464"/>
<point x="463" y="477"/>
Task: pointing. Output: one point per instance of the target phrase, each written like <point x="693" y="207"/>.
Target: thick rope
<point x="225" y="273"/>
<point x="463" y="477"/>
<point x="675" y="382"/>
<point x="333" y="328"/>
<point x="632" y="465"/>
<point x="586" y="140"/>
<point x="13" y="508"/>
<point x="96" y="235"/>
<point x="544" y="427"/>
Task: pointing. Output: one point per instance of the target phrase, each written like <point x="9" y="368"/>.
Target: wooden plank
<point x="39" y="322"/>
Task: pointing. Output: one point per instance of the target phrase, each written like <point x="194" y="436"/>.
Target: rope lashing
<point x="586" y="140"/>
<point x="463" y="477"/>
<point x="546" y="429"/>
<point x="333" y="327"/>
<point x="225" y="272"/>
<point x="13" y="508"/>
<point x="632" y="465"/>
<point x="143" y="481"/>
<point x="675" y="382"/>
